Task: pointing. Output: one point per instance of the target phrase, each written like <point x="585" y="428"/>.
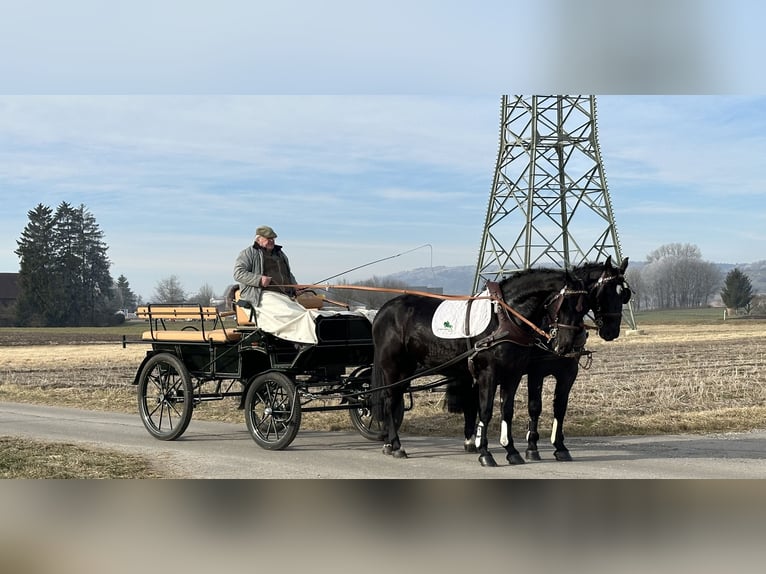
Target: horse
<point x="526" y="303"/>
<point x="607" y="292"/>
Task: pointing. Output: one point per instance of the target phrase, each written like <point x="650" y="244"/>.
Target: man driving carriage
<point x="263" y="272"/>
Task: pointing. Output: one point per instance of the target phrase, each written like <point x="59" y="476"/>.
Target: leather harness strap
<point x="514" y="332"/>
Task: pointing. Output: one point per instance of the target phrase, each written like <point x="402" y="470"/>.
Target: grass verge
<point x="22" y="458"/>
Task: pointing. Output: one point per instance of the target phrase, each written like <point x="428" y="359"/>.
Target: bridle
<point x="553" y="308"/>
<point x="623" y="289"/>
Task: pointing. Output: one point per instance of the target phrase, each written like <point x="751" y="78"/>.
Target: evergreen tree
<point x="125" y="296"/>
<point x="96" y="281"/>
<point x="68" y="265"/>
<point x="737" y="290"/>
<point x="64" y="270"/>
<point x="37" y="297"/>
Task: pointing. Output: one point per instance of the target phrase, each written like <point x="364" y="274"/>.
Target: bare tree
<point x="676" y="277"/>
<point x="169" y="290"/>
<point x="635" y="279"/>
<point x="203" y="296"/>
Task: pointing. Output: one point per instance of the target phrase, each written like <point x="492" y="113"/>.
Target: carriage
<point x="196" y="357"/>
<point x="367" y="369"/>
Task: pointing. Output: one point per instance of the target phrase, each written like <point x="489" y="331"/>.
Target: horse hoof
<point x="514" y="458"/>
<point x="470" y="447"/>
<point x="533" y="455"/>
<point x="400" y="453"/>
<point x="388" y="449"/>
<point x="563" y="456"/>
<point x="487" y="460"/>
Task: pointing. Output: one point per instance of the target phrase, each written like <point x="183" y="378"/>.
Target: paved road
<point x="223" y="450"/>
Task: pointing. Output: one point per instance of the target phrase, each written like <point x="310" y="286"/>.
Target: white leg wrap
<point x="504" y="433"/>
<point x="554" y="430"/>
<point x="479" y="432"/>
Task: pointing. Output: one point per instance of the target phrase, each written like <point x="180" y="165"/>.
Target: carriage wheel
<point x="361" y="416"/>
<point x="272" y="410"/>
<point x="165" y="394"/>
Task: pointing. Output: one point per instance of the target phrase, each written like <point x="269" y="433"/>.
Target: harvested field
<point x="669" y="378"/>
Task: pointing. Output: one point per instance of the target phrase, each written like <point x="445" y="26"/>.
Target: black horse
<point x="607" y="293"/>
<point x="531" y="306"/>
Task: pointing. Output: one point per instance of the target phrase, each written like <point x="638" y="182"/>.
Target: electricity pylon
<point x="549" y="204"/>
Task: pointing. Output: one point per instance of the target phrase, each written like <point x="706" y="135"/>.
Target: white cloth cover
<point x="449" y="320"/>
<point x="284" y="317"/>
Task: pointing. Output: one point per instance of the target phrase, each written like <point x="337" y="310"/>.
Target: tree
<point x="737" y="290"/>
<point x="635" y="279"/>
<point x="125" y="297"/>
<point x="203" y="296"/>
<point x="37" y="297"/>
<point x="63" y="269"/>
<point x="169" y="290"/>
<point x="83" y="277"/>
<point x="676" y="276"/>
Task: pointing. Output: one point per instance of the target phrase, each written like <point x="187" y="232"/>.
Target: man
<point x="263" y="272"/>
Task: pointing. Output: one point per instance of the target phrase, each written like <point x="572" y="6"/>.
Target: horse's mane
<point x="589" y="271"/>
<point x="526" y="283"/>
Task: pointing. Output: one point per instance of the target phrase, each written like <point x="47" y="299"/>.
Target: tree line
<point x="64" y="273"/>
<point x="675" y="276"/>
<point x="64" y="276"/>
<point x="65" y="280"/>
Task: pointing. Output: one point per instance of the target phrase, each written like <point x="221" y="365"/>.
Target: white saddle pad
<point x="449" y="320"/>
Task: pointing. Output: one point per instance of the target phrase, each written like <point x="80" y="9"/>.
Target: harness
<point x="513" y="331"/>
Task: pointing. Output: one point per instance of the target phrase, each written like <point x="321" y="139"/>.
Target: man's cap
<point x="265" y="231"/>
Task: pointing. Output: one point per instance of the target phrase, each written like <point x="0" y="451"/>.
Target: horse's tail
<point x="377" y="394"/>
<point x="460" y="396"/>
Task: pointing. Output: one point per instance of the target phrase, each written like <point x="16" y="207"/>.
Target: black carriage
<point x="195" y="357"/>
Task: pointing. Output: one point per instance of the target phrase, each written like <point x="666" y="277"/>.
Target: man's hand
<point x="265" y="280"/>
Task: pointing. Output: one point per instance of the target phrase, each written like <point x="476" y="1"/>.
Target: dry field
<point x="667" y="379"/>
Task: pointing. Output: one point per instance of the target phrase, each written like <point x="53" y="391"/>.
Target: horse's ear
<point x="608" y="262"/>
<point x="624" y="265"/>
<point x="625" y="294"/>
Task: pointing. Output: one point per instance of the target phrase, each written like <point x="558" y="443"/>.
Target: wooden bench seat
<point x="216" y="335"/>
<point x="158" y="331"/>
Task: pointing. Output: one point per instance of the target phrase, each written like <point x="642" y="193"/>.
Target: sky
<point x="360" y="135"/>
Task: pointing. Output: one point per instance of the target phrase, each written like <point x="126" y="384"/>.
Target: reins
<point x="498" y="300"/>
<point x="481" y="345"/>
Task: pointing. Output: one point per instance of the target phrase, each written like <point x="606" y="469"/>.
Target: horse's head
<point x="606" y="296"/>
<point x="565" y="310"/>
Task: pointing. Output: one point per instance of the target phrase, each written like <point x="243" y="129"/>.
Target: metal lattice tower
<point x="549" y="204"/>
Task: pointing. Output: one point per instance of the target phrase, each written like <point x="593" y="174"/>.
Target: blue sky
<point x="351" y="150"/>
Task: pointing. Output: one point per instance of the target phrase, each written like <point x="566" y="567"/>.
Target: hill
<point x="452" y="280"/>
<point x="459" y="280"/>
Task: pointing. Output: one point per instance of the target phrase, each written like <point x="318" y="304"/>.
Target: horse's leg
<point x="394" y="417"/>
<point x="486" y="392"/>
<point x="470" y="414"/>
<point x="509" y="387"/>
<point x="565" y="379"/>
<point x="397" y="414"/>
<point x="534" y="408"/>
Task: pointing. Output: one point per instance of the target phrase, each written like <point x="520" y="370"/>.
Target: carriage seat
<point x="159" y="315"/>
<point x="242" y="309"/>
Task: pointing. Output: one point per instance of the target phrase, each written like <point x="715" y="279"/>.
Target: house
<point x="9" y="293"/>
<point x="9" y="289"/>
